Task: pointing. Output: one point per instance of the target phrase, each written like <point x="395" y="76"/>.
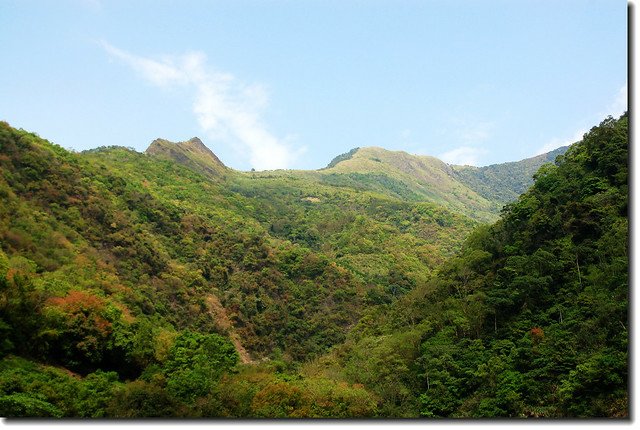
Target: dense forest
<point x="164" y="284"/>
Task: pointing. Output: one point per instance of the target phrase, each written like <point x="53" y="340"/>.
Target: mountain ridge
<point x="135" y="286"/>
<point x="477" y="192"/>
<point x="413" y="177"/>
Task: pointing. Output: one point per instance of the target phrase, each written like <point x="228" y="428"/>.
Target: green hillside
<point x="505" y="182"/>
<point x="165" y="284"/>
<point x="114" y="261"/>
<point x="477" y="192"/>
<point x="409" y="177"/>
<point x="530" y="319"/>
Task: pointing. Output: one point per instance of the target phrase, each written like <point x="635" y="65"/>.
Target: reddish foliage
<point x="537" y="334"/>
<point x="77" y="301"/>
<point x="86" y="307"/>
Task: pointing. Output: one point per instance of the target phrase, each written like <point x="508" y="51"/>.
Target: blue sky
<point x="291" y="84"/>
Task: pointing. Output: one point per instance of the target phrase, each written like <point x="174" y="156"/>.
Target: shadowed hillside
<point x="505" y="182"/>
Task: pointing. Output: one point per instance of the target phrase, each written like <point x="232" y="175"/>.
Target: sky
<point x="291" y="84"/>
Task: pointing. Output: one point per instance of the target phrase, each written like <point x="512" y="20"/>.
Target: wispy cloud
<point x="477" y="132"/>
<point x="617" y="107"/>
<point x="619" y="104"/>
<point x="464" y="155"/>
<point x="468" y="131"/>
<point x="468" y="134"/>
<point x="557" y="142"/>
<point x="225" y="108"/>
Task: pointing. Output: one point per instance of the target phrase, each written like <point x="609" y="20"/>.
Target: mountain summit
<point x="407" y="176"/>
<point x="478" y="192"/>
<point x="191" y="153"/>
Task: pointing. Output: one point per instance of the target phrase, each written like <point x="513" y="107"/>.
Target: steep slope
<point x="114" y="264"/>
<point x="191" y="153"/>
<point x="134" y="285"/>
<point x="529" y="320"/>
<point x="298" y="207"/>
<point x="156" y="239"/>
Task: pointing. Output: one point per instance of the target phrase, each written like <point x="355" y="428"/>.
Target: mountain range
<point x="477" y="192"/>
<point x="387" y="284"/>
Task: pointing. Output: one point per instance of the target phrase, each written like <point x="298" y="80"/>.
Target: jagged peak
<point x="191" y="153"/>
<point x="194" y="142"/>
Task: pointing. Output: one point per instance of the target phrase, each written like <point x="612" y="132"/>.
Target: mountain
<point x="191" y="153"/>
<point x="478" y="192"/>
<point x="505" y="182"/>
<point x="114" y="264"/>
<point x="410" y="177"/>
<point x="165" y="284"/>
<point x="530" y="319"/>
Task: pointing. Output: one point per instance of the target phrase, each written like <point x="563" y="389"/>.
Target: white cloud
<point x="619" y="105"/>
<point x="469" y="134"/>
<point x="558" y="142"/>
<point x="464" y="155"/>
<point x="225" y="108"/>
<point x="476" y="133"/>
<point x="615" y="109"/>
<point x="159" y="73"/>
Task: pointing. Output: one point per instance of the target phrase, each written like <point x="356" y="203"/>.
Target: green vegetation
<point x="477" y="192"/>
<point x="342" y="157"/>
<point x="505" y="182"/>
<point x="410" y="177"/>
<point x="167" y="285"/>
<point x="530" y="319"/>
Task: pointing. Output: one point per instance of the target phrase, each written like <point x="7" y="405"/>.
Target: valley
<point x="386" y="284"/>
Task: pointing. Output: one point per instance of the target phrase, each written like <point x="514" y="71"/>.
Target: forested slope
<point x="132" y="285"/>
<point x="113" y="264"/>
<point x="477" y="192"/>
<point x="505" y="182"/>
<point x="529" y="320"/>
